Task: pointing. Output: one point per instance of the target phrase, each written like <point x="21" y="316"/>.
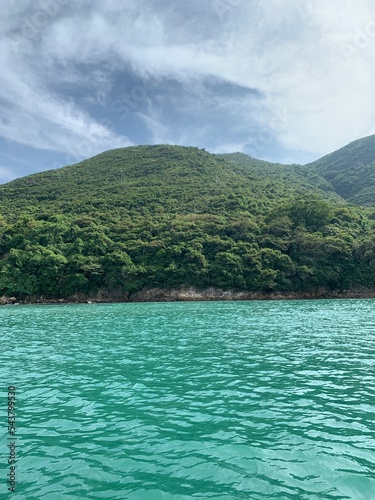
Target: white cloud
<point x="312" y="60"/>
<point x="35" y="115"/>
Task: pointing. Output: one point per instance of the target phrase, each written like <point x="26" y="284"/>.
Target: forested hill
<point x="351" y="171"/>
<point x="300" y="178"/>
<point x="166" y="216"/>
<point x="166" y="179"/>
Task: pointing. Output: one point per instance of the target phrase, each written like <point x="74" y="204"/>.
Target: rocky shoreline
<point x="190" y="294"/>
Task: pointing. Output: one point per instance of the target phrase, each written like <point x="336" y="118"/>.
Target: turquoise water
<point x="216" y="400"/>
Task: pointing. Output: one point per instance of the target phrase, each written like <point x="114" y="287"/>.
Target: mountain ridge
<point x="349" y="172"/>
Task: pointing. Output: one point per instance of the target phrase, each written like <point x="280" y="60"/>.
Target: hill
<point x="350" y="171"/>
<point x="168" y="179"/>
<point x="299" y="177"/>
<point x="163" y="216"/>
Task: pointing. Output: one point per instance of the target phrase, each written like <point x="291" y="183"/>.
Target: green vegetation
<point x="351" y="171"/>
<point x="168" y="216"/>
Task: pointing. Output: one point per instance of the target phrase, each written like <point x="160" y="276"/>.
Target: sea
<point x="188" y="400"/>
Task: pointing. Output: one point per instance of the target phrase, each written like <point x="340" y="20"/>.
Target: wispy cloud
<point x="6" y="175"/>
<point x="223" y="73"/>
<point x="35" y="110"/>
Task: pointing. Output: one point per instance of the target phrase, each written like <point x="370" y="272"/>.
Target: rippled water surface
<point x="216" y="400"/>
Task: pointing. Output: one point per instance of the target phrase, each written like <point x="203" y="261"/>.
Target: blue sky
<point x="283" y="80"/>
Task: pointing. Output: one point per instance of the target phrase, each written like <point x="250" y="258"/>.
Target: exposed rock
<point x="7" y="300"/>
<point x="192" y="294"/>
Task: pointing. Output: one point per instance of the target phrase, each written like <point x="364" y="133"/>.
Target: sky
<point x="282" y="80"/>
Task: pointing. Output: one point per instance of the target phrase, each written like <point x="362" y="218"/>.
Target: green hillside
<point x="299" y="177"/>
<point x="166" y="216"/>
<point x="167" y="179"/>
<point x="351" y="171"/>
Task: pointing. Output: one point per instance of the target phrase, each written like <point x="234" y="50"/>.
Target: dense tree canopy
<point x="170" y="217"/>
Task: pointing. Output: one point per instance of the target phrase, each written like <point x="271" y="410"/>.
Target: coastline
<point x="190" y="294"/>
